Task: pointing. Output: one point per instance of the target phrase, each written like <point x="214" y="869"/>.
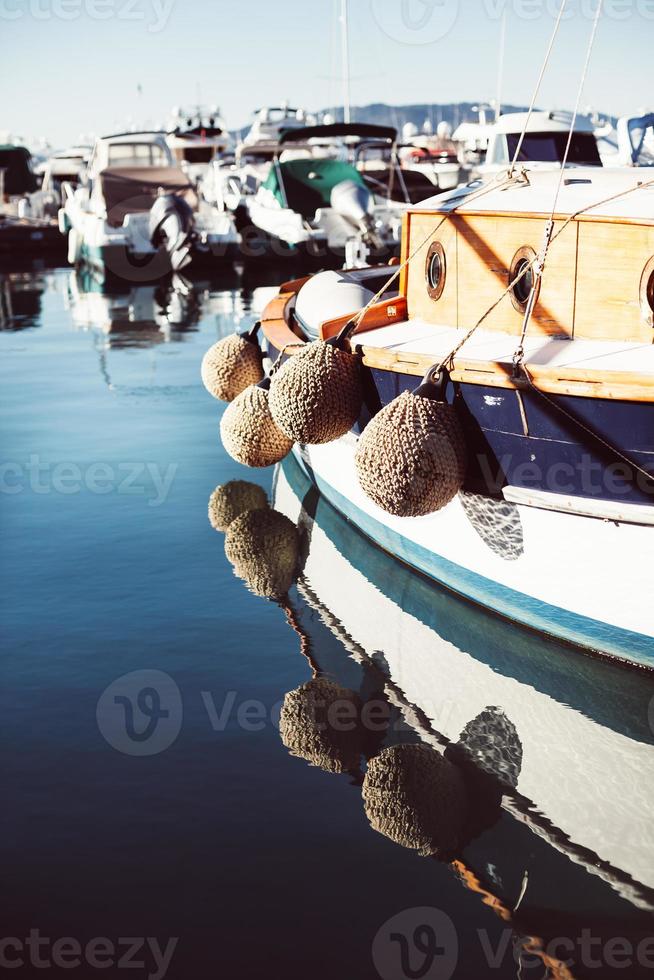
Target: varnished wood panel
<point x="479" y="251"/>
<point x="486" y="246"/>
<point x="590" y="288"/>
<point x="425" y="230"/>
<point x="611" y="261"/>
<point x="379" y="315"/>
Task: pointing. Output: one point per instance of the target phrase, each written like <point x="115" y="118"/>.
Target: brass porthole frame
<point x="435" y="292"/>
<point x="528" y="253"/>
<point x="647" y="293"/>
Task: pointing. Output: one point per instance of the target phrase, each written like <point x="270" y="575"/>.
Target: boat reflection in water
<point x="523" y="764"/>
<point x="140" y="316"/>
<point x="157" y="316"/>
<point x="20" y="299"/>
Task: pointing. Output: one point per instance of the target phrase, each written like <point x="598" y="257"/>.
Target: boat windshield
<point x="137" y="155"/>
<point x="199" y="154"/>
<point x="550" y="148"/>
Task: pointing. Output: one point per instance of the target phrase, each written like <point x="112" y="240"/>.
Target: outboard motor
<point x="353" y="202"/>
<point x="171" y="225"/>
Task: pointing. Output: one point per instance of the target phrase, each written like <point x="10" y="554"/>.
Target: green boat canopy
<point x="19" y="179"/>
<point x="308" y="184"/>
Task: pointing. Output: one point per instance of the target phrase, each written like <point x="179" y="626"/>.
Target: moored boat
<point x="551" y="377"/>
<point x="315" y="195"/>
<point x="136" y="216"/>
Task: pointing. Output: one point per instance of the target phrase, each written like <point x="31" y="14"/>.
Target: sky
<point x="80" y="67"/>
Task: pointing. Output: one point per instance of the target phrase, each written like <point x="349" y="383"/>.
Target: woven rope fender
<point x="264" y="548"/>
<point x="411" y="457"/>
<point x="318" y="723"/>
<point x="249" y="433"/>
<point x="231" y="500"/>
<point x="316" y="395"/>
<point x="230" y="366"/>
<point x="414" y="796"/>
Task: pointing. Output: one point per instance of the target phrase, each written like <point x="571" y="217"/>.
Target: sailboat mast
<point x="345" y="51"/>
<point x="500" y="69"/>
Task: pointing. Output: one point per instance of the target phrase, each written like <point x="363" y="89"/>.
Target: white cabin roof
<point x="540" y="122"/>
<point x="147" y="137"/>
<point x="583" y="188"/>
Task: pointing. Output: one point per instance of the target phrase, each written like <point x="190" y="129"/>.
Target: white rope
<point x="539" y="265"/>
<point x="580" y="91"/>
<point x="538" y="85"/>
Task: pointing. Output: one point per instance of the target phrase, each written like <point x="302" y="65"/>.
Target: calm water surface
<point x="199" y="828"/>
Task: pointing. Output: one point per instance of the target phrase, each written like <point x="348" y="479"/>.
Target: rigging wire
<point x="544" y="67"/>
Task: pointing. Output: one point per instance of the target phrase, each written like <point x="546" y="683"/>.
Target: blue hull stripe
<point x="561" y="623"/>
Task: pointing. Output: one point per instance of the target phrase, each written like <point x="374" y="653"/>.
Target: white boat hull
<point x="578" y="578"/>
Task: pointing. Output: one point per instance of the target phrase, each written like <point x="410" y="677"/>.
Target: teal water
<point x="239" y="858"/>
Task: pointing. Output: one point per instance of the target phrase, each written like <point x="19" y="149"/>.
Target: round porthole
<point x="522" y="262"/>
<point x="435" y="270"/>
<point x="647" y="293"/>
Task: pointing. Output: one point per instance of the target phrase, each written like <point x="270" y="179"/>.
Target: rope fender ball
<point x="231" y="365"/>
<point x="249" y="432"/>
<point x="232" y="499"/>
<point x="411" y="457"/>
<point x="263" y="547"/>
<point x="318" y="723"/>
<point x="415" y="797"/>
<point x="316" y="395"/>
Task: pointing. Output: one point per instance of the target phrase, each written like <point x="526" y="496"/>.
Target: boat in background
<point x="198" y="136"/>
<point x="271" y="122"/>
<point x="635" y="136"/>
<point x="436" y="156"/>
<point x="23" y="229"/>
<point x="137" y="216"/>
<point x="543" y="142"/>
<point x="553" y="527"/>
<point x="64" y="167"/>
<point x="317" y="195"/>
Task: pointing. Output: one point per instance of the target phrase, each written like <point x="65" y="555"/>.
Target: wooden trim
<point x="275" y="321"/>
<point x="629" y="386"/>
<point x="404" y="252"/>
<point x="474" y="213"/>
<point x="613" y="385"/>
<point x="379" y="315"/>
<point x="294" y="285"/>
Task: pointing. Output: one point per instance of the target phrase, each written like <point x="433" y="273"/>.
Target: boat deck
<point x="418" y="344"/>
